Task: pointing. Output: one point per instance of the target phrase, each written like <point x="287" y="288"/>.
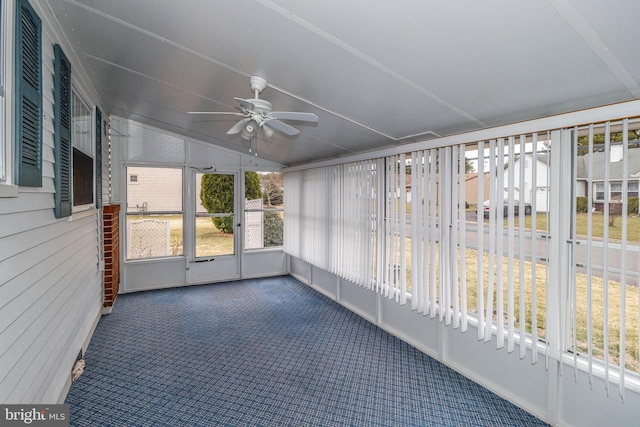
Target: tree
<point x="272" y="195"/>
<point x="252" y="189"/>
<point x="468" y="166"/>
<point x="217" y="196"/>
<point x="633" y="137"/>
<point x="272" y="189"/>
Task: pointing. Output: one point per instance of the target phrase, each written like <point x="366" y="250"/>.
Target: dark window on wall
<point x="616" y="191"/>
<point x="83" y="146"/>
<point x="599" y="189"/>
<point x="82" y="178"/>
<point x="632" y="189"/>
<point x="28" y="97"/>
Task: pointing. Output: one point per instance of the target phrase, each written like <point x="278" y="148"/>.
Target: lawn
<point x="632" y="356"/>
<point x="209" y="240"/>
<point x="597" y="224"/>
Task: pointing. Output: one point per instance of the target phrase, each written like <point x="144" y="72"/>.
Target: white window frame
<point x="142" y="210"/>
<point x="7" y="35"/>
<point x="598" y="187"/>
<point x="76" y="94"/>
<point x="263" y="210"/>
<point x="617" y="191"/>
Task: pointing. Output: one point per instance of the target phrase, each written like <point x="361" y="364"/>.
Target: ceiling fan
<point x="257" y="115"/>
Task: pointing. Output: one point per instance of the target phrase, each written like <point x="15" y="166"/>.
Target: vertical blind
<point x="463" y="234"/>
<point x="605" y="274"/>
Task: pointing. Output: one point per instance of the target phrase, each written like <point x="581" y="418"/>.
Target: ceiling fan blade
<point x="225" y="113"/>
<point x="291" y="115"/>
<point x="282" y="127"/>
<point x="237" y="128"/>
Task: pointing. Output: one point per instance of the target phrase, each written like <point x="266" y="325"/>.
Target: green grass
<point x="209" y="240"/>
<point x="632" y="299"/>
<point x="597" y="226"/>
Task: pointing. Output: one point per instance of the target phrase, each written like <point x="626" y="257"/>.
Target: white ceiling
<point x="377" y="73"/>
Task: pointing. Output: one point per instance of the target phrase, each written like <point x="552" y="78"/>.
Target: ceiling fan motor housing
<point x="258" y="84"/>
<point x="261" y="105"/>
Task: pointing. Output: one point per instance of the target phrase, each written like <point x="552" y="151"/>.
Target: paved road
<point x="613" y="260"/>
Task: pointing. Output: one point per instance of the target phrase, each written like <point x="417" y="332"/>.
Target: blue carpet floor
<point x="267" y="352"/>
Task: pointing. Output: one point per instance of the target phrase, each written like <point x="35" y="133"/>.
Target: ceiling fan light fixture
<point x="267" y="132"/>
<point x="249" y="130"/>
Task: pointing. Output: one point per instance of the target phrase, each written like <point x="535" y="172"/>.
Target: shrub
<point x="582" y="204"/>
<point x="615" y="209"/>
<point x="632" y="206"/>
<point x="273" y="229"/>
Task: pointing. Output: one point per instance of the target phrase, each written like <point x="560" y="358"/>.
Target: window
<point x="28" y="96"/>
<point x="544" y="276"/>
<point x="133" y="178"/>
<point x="632" y="189"/>
<point x="604" y="274"/>
<point x="263" y="206"/>
<point x="154" y="213"/>
<point x="599" y="189"/>
<point x="616" y="191"/>
<point x="82" y="137"/>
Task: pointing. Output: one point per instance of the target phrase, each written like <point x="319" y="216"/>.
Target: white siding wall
<point x="50" y="286"/>
<point x="155" y="189"/>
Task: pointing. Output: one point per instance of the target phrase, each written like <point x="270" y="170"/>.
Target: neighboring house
<point x="143" y="186"/>
<point x="471" y="189"/>
<point x="598" y="161"/>
<point x="599" y="166"/>
<point x="539" y="189"/>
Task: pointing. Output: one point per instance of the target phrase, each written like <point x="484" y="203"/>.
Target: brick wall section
<point x="111" y="230"/>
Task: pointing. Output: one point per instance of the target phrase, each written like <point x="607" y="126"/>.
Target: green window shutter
<point x="62" y="134"/>
<point x="28" y="96"/>
<point x="98" y="158"/>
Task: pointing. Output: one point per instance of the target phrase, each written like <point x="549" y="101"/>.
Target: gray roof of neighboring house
<point x="615" y="168"/>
